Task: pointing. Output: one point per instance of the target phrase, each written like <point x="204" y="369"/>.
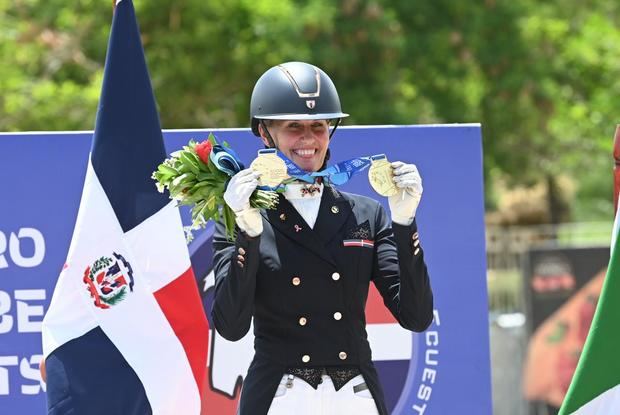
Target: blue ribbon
<point x="226" y="160"/>
<point x="337" y="174"/>
<point x="340" y="173"/>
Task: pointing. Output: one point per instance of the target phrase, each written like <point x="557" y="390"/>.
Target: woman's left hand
<point x="404" y="204"/>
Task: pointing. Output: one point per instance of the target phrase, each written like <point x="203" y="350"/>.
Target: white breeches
<point x="296" y="397"/>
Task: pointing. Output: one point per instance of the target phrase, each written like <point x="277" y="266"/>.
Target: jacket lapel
<point x="333" y="213"/>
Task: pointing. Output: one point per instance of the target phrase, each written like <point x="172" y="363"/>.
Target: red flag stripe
<point x="181" y="304"/>
<point x="376" y="311"/>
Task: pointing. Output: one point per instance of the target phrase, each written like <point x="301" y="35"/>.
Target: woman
<point x="302" y="271"/>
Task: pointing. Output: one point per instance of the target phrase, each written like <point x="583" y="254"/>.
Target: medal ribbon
<point x="337" y="174"/>
<point x="340" y="173"/>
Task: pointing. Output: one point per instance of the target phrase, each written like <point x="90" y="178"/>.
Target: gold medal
<point x="272" y="168"/>
<point x="381" y="177"/>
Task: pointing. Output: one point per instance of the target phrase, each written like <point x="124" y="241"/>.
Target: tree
<point x="542" y="78"/>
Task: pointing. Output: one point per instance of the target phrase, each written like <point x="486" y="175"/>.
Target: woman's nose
<point x="307" y="133"/>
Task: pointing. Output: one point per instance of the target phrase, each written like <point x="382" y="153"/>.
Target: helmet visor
<point x="324" y="116"/>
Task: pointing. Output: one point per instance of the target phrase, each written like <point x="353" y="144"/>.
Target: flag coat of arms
<point x="125" y="332"/>
<point x="595" y="387"/>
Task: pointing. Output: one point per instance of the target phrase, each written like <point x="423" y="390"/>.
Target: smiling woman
<point x="301" y="272"/>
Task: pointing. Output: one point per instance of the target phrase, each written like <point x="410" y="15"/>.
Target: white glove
<point x="404" y="204"/>
<point x="237" y="196"/>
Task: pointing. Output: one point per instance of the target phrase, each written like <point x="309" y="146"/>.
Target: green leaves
<point x="229" y="221"/>
<point x="193" y="183"/>
<point x="190" y="161"/>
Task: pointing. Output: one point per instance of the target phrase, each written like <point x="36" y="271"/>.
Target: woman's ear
<point x="263" y="135"/>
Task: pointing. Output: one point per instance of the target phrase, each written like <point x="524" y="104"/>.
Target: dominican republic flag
<point x="595" y="388"/>
<point x="125" y="332"/>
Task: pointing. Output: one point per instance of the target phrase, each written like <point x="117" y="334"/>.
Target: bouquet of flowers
<point x="198" y="175"/>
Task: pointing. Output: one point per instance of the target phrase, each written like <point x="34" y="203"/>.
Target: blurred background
<point x="543" y="79"/>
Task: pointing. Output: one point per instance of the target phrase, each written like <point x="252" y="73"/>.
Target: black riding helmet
<point x="294" y="91"/>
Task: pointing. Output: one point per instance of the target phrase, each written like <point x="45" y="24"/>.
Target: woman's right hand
<point x="239" y="190"/>
<point x="237" y="196"/>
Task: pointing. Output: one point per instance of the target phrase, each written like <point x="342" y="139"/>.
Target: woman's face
<point x="305" y="142"/>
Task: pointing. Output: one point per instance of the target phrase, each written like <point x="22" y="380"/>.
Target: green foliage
<point x="198" y="183"/>
<point x="116" y="298"/>
<point x="543" y="78"/>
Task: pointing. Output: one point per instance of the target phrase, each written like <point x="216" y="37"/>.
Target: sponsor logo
<point x="428" y="372"/>
<point x="108" y="280"/>
<point x="310" y="103"/>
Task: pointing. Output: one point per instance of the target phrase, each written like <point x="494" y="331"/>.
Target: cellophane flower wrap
<point x="197" y="176"/>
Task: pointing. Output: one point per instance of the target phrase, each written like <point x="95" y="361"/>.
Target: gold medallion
<point x="381" y="177"/>
<point x="272" y="168"/>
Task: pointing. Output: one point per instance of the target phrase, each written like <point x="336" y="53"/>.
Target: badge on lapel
<point x="359" y="236"/>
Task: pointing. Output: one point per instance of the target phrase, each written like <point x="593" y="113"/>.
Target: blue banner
<point x="444" y="370"/>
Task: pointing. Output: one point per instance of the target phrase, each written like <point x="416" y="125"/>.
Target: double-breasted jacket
<point x="306" y="289"/>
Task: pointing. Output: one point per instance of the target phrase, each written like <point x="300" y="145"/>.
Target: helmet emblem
<point x="317" y="77"/>
<point x="310" y="103"/>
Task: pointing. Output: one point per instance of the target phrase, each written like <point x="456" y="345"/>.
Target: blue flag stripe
<point x="103" y="383"/>
<point x="128" y="143"/>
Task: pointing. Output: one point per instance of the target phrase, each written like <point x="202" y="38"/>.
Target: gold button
<point x="305" y="358"/>
<point x="335" y="209"/>
<point x="240" y="264"/>
<point x="282" y="216"/>
<point x="241" y="251"/>
<point x="296" y="280"/>
<point x="415" y="236"/>
<point x="241" y="258"/>
<point x="337" y="315"/>
<point x="342" y="355"/>
<point x="416" y="242"/>
<point x="417" y="251"/>
<point x="335" y="276"/>
<point x="302" y="321"/>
